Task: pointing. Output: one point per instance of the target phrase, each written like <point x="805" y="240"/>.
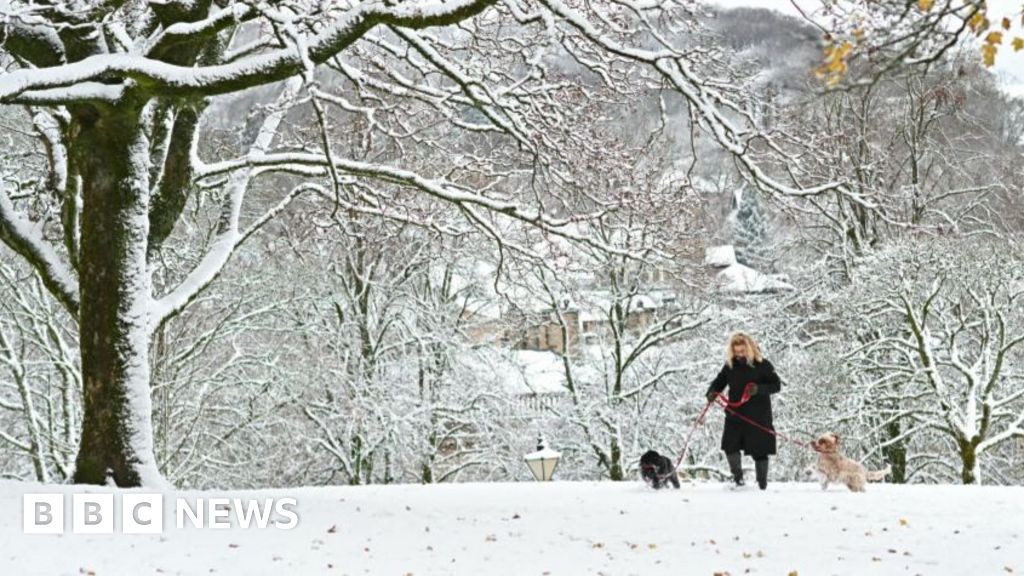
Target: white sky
<point x="1009" y="65"/>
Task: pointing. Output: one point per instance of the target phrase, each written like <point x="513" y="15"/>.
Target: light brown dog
<point x="834" y="467"/>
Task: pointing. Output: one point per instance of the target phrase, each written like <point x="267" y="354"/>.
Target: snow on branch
<point x="82" y="92"/>
<point x="439" y="189"/>
<point x="228" y="236"/>
<point x="709" y="104"/>
<point x="26" y="239"/>
<point x="156" y="77"/>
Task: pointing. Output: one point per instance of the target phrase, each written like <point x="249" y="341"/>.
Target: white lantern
<point x="542" y="462"/>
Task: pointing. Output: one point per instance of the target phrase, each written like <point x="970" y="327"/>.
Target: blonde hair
<point x="753" y="350"/>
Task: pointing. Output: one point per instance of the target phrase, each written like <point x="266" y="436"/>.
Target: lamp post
<point x="542" y="462"/>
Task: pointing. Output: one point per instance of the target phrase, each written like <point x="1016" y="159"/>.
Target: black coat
<point x="739" y="435"/>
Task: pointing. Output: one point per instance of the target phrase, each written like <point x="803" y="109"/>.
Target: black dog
<point x="657" y="470"/>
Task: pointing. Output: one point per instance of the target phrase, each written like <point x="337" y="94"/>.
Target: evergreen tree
<point x="750" y="231"/>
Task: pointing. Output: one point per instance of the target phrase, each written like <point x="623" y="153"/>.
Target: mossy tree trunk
<point x="111" y="151"/>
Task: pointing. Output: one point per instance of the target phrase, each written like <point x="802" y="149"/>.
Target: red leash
<point x="731" y="407"/>
<point x="686" y="445"/>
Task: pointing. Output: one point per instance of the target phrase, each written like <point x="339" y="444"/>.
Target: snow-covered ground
<point x="562" y="528"/>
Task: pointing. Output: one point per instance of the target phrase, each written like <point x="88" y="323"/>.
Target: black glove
<point x="752" y="388"/>
<point x="711" y="395"/>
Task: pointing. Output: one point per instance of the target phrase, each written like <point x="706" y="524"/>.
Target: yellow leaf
<point x="925" y="5"/>
<point x="903" y="522"/>
<point x="1018" y="44"/>
<point x="834" y="67"/>
<point x="988" y="54"/>
<point x="978" y="23"/>
<point x="793" y="573"/>
<point x="994" y="38"/>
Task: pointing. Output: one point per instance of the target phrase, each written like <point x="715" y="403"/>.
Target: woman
<point x="746" y="369"/>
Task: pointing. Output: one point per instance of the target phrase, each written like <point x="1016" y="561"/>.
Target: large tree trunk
<point x="111" y="151"/>
<point x="615" y="462"/>
<point x="970" y="471"/>
<point x="896" y="454"/>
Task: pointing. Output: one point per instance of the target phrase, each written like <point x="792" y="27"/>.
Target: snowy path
<point x="564" y="529"/>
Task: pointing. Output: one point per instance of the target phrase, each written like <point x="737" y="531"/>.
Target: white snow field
<point x="559" y="528"/>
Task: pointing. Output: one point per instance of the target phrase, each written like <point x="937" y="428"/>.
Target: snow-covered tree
<point x="39" y="379"/>
<point x="750" y="229"/>
<point x="118" y="96"/>
<point x="936" y="333"/>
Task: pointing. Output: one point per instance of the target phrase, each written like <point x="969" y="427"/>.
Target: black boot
<point x="735" y="467"/>
<point x="761" y="468"/>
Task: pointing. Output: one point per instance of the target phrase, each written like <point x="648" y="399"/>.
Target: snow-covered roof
<point x="720" y="256"/>
<point x="594" y="304"/>
<point x="744" y="279"/>
<point x="536" y="372"/>
<point x="519" y="372"/>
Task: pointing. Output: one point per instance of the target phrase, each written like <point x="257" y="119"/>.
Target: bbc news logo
<point x="95" y="513"/>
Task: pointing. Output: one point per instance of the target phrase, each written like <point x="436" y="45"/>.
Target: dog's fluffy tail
<point x="878" y="475"/>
